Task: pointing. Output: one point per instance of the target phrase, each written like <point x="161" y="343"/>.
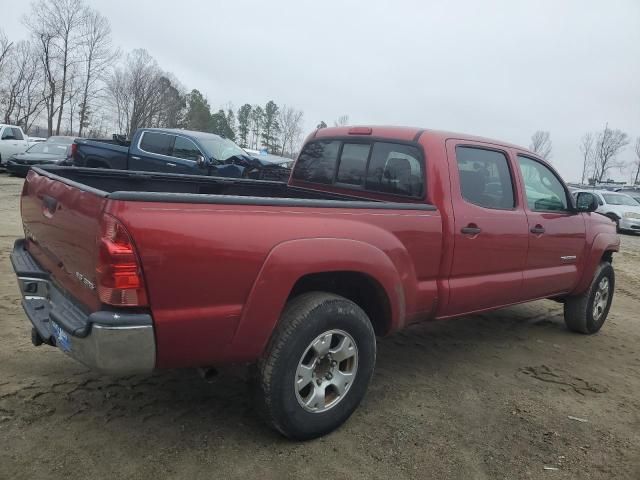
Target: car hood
<point x="36" y="158"/>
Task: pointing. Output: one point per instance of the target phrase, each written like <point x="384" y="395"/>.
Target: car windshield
<point x="616" y="199"/>
<point x="221" y="148"/>
<point x="48" y="147"/>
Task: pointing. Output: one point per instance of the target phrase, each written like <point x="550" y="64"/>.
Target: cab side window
<point x="17" y="134"/>
<point x="157" y="143"/>
<point x="185" y="148"/>
<point x="485" y="178"/>
<point x="544" y="191"/>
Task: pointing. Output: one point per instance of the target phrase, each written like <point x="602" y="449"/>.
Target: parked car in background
<point x="619" y="207"/>
<point x="12" y="141"/>
<point x="170" y="151"/>
<point x="56" y="150"/>
<point x="34" y="140"/>
<point x="378" y="228"/>
<point x="632" y="192"/>
<point x="271" y="167"/>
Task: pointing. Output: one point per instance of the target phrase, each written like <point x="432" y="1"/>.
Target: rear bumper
<point x="112" y="342"/>
<point x="17" y="168"/>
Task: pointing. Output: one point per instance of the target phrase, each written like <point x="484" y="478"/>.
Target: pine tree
<point x="271" y="129"/>
<point x="244" y="124"/>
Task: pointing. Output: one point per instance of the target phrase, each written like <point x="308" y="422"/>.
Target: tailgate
<point x="62" y="223"/>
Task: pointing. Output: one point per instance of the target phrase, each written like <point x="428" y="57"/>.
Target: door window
<point x="157" y="143"/>
<point x="544" y="191"/>
<point x="485" y="179"/>
<point x="17" y="134"/>
<point x="7" y="134"/>
<point x="185" y="148"/>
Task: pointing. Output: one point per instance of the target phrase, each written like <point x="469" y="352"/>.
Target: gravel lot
<point x="486" y="396"/>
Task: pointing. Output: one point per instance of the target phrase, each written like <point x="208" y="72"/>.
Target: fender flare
<point x="289" y="261"/>
<point x="602" y="242"/>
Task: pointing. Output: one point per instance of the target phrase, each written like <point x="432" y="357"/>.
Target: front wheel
<point x="587" y="313"/>
<point x="317" y="366"/>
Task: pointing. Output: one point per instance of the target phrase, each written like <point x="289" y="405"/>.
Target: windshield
<point x="613" y="199"/>
<point x="48" y="147"/>
<point x="221" y="148"/>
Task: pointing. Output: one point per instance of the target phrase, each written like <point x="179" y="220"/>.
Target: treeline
<point x="600" y="152"/>
<point x="68" y="76"/>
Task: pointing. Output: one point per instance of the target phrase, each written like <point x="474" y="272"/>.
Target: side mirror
<point x="201" y="161"/>
<point x="586" y="202"/>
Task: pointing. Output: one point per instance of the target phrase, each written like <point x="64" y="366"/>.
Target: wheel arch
<point x="319" y="264"/>
<point x="602" y="249"/>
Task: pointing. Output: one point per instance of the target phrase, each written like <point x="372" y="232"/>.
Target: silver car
<point x="619" y="207"/>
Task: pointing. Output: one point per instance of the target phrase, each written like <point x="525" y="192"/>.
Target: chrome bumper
<point x="111" y="342"/>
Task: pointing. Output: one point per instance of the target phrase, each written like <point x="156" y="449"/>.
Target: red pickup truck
<point x="378" y="227"/>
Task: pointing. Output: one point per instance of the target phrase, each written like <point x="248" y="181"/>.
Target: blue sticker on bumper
<point x="62" y="339"/>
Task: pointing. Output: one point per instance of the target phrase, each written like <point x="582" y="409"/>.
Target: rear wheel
<point x="587" y="313"/>
<point x="317" y="366"/>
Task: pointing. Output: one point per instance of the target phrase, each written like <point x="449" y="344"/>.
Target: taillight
<point x="72" y="151"/>
<point x="118" y="273"/>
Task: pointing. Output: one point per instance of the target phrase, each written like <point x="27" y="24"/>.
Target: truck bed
<point x="175" y="188"/>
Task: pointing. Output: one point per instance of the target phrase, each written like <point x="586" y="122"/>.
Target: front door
<point x="491" y="230"/>
<point x="163" y="152"/>
<point x="556" y="232"/>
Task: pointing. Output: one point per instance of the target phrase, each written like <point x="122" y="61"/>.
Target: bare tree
<point x="5" y="48"/>
<point x="290" y="121"/>
<point x="541" y="144"/>
<point x="97" y="55"/>
<point x="587" y="150"/>
<point x="341" y="121"/>
<point x="136" y="91"/>
<point x="636" y="163"/>
<point x="608" y="144"/>
<point x="55" y="24"/>
<point x="21" y="86"/>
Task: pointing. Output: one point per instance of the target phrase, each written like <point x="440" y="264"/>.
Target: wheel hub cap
<point x="601" y="299"/>
<point x="326" y="371"/>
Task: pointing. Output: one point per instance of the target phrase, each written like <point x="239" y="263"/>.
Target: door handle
<point x="169" y="164"/>
<point x="135" y="158"/>
<point x="537" y="230"/>
<point x="471" y="229"/>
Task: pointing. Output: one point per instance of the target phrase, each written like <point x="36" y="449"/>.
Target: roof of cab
<point x="409" y="134"/>
<point x="191" y="133"/>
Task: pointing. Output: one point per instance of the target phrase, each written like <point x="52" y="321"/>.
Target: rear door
<point x="154" y="152"/>
<point x="556" y="233"/>
<point x="491" y="230"/>
<point x="62" y="225"/>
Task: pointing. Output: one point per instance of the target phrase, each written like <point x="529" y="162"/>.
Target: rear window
<point x="157" y="143"/>
<point x="375" y="166"/>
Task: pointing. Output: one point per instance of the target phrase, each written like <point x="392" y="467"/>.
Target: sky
<point x="500" y="69"/>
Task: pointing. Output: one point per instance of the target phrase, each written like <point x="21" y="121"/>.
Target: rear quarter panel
<point x="202" y="262"/>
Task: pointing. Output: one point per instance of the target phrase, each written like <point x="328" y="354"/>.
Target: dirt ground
<point x="487" y="396"/>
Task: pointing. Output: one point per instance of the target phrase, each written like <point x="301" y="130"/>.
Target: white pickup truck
<point x="12" y="141"/>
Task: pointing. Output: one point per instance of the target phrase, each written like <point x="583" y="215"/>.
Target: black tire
<point x="578" y="310"/>
<point x="304" y="319"/>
